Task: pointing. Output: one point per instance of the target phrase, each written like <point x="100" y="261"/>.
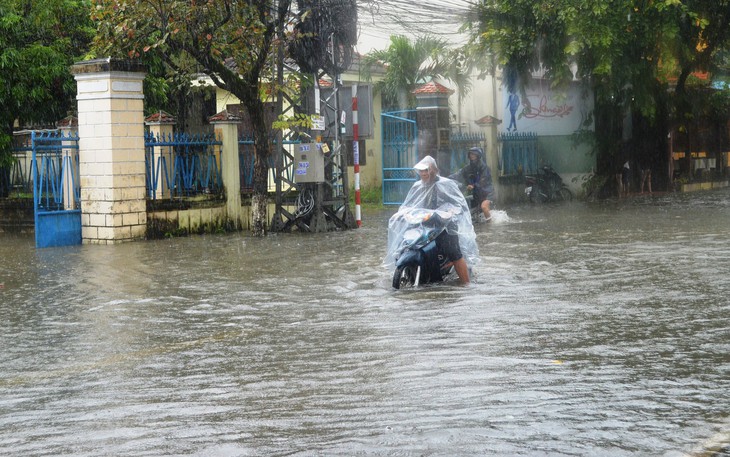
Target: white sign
<point x="318" y="122"/>
<point x="546" y="112"/>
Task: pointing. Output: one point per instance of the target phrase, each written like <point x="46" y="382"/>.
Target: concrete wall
<point x="198" y="220"/>
<point x="572" y="163"/>
<point x="485" y="98"/>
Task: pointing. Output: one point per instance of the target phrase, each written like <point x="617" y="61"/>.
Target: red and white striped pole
<point x="356" y="155"/>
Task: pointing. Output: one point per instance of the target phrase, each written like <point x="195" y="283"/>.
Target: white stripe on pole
<point x="356" y="154"/>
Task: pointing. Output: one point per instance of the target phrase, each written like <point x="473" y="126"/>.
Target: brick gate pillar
<point x="432" y="118"/>
<point x="111" y="150"/>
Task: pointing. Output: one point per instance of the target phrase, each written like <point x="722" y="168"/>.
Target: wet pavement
<point x="590" y="329"/>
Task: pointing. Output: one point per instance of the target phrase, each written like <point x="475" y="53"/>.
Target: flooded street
<point x="591" y="329"/>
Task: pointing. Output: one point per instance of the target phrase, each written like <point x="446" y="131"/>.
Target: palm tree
<point x="407" y="65"/>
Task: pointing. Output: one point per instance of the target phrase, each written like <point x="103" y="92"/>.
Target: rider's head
<point x="427" y="169"/>
<point x="475" y="154"/>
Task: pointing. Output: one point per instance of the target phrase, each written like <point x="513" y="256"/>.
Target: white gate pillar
<point x="111" y="150"/>
<point x="226" y="128"/>
<point x="68" y="127"/>
<point x="162" y="128"/>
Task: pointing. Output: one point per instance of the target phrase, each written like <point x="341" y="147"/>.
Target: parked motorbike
<point x="546" y="186"/>
<point x="416" y="257"/>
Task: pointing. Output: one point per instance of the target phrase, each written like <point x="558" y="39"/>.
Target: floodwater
<point x="591" y="329"/>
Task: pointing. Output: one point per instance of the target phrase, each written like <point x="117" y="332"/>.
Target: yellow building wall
<point x="371" y="175"/>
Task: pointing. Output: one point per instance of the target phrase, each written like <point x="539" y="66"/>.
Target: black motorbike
<point x="417" y="258"/>
<point x="474" y="204"/>
<point x="546" y="186"/>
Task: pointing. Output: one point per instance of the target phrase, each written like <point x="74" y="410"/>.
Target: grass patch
<point x="371" y="196"/>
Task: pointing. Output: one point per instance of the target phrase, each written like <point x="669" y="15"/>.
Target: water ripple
<point x="590" y="329"/>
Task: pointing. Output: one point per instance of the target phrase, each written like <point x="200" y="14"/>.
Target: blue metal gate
<point x="56" y="190"/>
<point x="519" y="153"/>
<point x="400" y="153"/>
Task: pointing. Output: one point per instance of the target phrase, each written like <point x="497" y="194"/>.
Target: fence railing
<point x="176" y="165"/>
<point x="247" y="154"/>
<point x="46" y="165"/>
<point x="19" y="178"/>
<point x="518" y="153"/>
<point x="460" y="145"/>
<point x="182" y="165"/>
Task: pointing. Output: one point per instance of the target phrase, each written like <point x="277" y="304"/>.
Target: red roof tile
<point x="68" y="121"/>
<point x="433" y="88"/>
<point x="160" y="117"/>
<point x="488" y="120"/>
<point x="224" y="116"/>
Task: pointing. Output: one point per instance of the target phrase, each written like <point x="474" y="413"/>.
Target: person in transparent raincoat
<point x="432" y="191"/>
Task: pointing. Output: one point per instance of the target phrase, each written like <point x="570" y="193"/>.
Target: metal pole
<point x="356" y="154"/>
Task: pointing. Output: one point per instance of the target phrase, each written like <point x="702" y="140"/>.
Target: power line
<point x="379" y="19"/>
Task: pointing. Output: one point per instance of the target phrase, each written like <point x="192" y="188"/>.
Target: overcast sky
<point x="379" y="19"/>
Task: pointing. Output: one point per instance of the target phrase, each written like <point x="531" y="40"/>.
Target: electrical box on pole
<point x="309" y="163"/>
<point x="315" y="197"/>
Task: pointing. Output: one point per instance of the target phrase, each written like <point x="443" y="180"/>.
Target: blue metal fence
<point x="182" y="165"/>
<point x="519" y="153"/>
<point x="247" y="154"/>
<point x="20" y="179"/>
<point x="57" y="156"/>
<point x="46" y="164"/>
<point x="460" y="145"/>
<point x="400" y="152"/>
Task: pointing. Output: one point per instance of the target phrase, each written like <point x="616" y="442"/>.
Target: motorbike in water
<point x="417" y="260"/>
<point x="475" y="209"/>
<point x="546" y="186"/>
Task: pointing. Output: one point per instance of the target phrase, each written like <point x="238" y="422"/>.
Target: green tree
<point x="702" y="40"/>
<point x="407" y="64"/>
<point x="230" y="41"/>
<point x="703" y="36"/>
<point x="610" y="46"/>
<point x="39" y="40"/>
<point x="621" y="50"/>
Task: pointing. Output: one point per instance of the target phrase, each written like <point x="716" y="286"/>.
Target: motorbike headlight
<point x="411" y="235"/>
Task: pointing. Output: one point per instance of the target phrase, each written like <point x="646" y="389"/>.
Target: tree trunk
<point x="260" y="197"/>
<point x="259" y="200"/>
<point x="6" y="158"/>
<point x="246" y="89"/>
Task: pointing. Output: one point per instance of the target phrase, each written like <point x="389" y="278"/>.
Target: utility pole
<point x="307" y="197"/>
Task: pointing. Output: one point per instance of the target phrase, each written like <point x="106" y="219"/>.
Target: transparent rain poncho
<point x="445" y="196"/>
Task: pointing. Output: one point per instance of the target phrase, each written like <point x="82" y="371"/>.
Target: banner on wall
<point x="544" y="111"/>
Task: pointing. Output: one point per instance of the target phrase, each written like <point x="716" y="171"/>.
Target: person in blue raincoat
<point x="477" y="177"/>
